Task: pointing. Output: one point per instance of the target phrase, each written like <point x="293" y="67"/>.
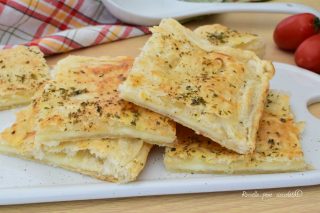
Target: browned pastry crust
<point x="218" y="92"/>
<point x="278" y="146"/>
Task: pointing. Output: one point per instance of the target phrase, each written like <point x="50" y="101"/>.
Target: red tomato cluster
<point x="300" y="33"/>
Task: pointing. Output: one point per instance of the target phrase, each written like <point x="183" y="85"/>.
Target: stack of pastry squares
<point x="217" y="93"/>
<point x="77" y="121"/>
<point x="101" y="116"/>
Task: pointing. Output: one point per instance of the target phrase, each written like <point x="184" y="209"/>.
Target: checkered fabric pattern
<point x="60" y="26"/>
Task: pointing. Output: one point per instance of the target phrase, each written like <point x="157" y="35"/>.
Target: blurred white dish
<point x="150" y="12"/>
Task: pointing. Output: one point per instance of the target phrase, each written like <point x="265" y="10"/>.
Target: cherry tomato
<point x="293" y="30"/>
<point x="308" y="54"/>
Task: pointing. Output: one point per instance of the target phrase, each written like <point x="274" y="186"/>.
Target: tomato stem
<point x="316" y="24"/>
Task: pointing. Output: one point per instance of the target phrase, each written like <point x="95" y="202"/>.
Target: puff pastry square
<point x="220" y="35"/>
<point x="82" y="102"/>
<point x="116" y="160"/>
<point x="278" y="146"/>
<point x="217" y="91"/>
<point x="22" y="71"/>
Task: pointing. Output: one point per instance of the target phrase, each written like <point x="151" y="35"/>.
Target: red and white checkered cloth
<point x="60" y="26"/>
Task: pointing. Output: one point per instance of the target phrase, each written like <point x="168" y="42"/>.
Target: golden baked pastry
<point x="82" y="102"/>
<point x="117" y="160"/>
<point x="221" y="35"/>
<point x="22" y="71"/>
<point x="278" y="147"/>
<point x="218" y="92"/>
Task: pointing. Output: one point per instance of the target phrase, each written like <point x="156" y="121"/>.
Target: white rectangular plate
<point x="29" y="182"/>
